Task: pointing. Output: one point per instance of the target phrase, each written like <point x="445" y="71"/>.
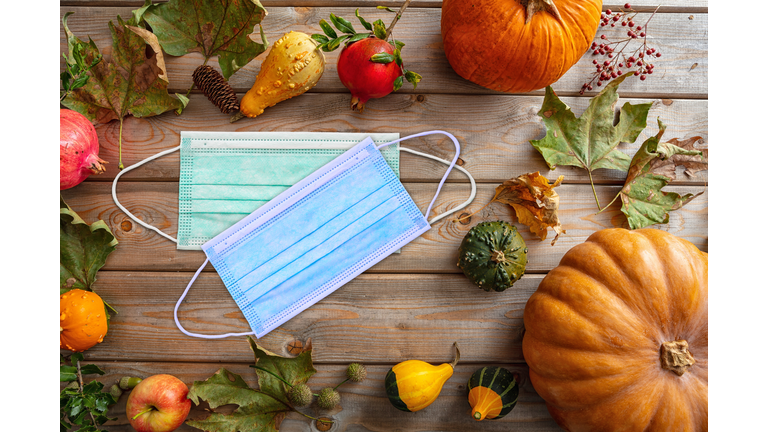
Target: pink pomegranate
<point x="364" y="78"/>
<point x="79" y="145"/>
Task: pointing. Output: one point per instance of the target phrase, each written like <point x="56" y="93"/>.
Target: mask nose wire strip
<point x="450" y="166"/>
<point x="471" y="181"/>
<point x="130" y="215"/>
<point x="197" y="335"/>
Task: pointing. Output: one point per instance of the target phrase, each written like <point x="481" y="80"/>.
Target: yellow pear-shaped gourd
<point x="293" y="66"/>
<point x="413" y="384"/>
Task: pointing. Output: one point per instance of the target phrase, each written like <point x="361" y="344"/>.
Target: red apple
<point x="158" y="404"/>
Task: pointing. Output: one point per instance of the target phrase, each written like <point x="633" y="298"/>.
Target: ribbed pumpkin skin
<point x="83" y="320"/>
<point x="489" y="43"/>
<point x="595" y="325"/>
<point x="413" y="385"/>
<point x="493" y="393"/>
<point x="481" y="244"/>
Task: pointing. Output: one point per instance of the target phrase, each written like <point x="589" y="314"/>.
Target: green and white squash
<point x="493" y="393"/>
<point x="493" y="255"/>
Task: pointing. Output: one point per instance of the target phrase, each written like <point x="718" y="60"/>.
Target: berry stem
<point x="397" y="18"/>
<point x="313" y="418"/>
<point x="339" y="384"/>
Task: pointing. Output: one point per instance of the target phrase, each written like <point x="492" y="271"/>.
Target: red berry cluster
<point x="617" y="59"/>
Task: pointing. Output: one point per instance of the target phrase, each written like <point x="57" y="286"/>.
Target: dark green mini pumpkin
<point x="492" y="393"/>
<point x="493" y="255"/>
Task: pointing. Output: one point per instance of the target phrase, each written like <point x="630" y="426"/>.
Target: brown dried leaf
<point x="535" y="202"/>
<point x="692" y="164"/>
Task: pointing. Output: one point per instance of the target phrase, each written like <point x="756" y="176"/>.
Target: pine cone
<point x="216" y="88"/>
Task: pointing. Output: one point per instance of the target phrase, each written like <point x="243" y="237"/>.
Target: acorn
<point x="300" y="395"/>
<point x="127" y="383"/>
<point x="356" y="372"/>
<point x="328" y="398"/>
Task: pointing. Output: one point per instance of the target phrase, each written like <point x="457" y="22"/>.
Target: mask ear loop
<point x="130" y="215"/>
<point x="451" y="165"/>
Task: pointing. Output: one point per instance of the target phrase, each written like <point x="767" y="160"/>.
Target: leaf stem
<point x="120" y="146"/>
<point x="609" y="204"/>
<point x="594" y="192"/>
<point x="313" y="418"/>
<point x="397" y="18"/>
<point x="273" y="374"/>
<point x="80" y="381"/>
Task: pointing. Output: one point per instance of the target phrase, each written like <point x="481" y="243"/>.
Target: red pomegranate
<point x="79" y="146"/>
<point x="364" y="78"/>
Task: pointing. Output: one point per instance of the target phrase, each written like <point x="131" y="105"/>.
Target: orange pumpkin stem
<point x="534" y="6"/>
<point x="675" y="356"/>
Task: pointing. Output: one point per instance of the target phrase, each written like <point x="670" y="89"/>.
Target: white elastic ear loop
<point x="471" y="181"/>
<point x="197" y="335"/>
<point x="130" y="215"/>
<point x="445" y="176"/>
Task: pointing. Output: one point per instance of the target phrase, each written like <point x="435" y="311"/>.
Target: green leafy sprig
<point x="330" y="40"/>
<point x="76" y="66"/>
<point x="83" y="406"/>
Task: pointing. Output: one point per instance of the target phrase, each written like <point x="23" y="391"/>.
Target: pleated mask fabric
<point x="226" y="176"/>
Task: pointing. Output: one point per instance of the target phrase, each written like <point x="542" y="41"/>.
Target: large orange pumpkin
<point x="517" y="46"/>
<point x="616" y="335"/>
<point x="82" y="320"/>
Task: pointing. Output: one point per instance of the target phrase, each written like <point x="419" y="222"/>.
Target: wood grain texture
<point x="494" y="131"/>
<point x="364" y="406"/>
<point x="434" y="251"/>
<point x="681" y="37"/>
<point x="639" y="5"/>
<point x="412" y="316"/>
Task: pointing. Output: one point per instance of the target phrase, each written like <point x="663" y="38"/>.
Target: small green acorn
<point x="356" y="372"/>
<point x="300" y="395"/>
<point x="128" y="383"/>
<point x="328" y="398"/>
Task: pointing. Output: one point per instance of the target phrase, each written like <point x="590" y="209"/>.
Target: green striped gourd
<point x="492" y="393"/>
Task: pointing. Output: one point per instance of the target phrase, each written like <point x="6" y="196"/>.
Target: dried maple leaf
<point x="131" y="82"/>
<point x="652" y="168"/>
<point x="259" y="410"/>
<point x="213" y="28"/>
<point x="535" y="202"/>
<point x="590" y="141"/>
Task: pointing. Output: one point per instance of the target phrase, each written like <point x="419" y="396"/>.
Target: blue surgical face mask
<point x="317" y="235"/>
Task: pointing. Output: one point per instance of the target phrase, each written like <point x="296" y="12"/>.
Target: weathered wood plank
<point x="681" y="37"/>
<point x="364" y="406"/>
<point x="639" y="5"/>
<point x="412" y="316"/>
<point x="434" y="251"/>
<point x="494" y="131"/>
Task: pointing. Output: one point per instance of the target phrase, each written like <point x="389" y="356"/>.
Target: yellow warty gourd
<point x="413" y="384"/>
<point x="293" y="66"/>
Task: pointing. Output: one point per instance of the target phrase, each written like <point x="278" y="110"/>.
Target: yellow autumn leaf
<point x="535" y="202"/>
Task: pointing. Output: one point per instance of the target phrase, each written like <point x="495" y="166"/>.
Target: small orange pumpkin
<point x="517" y="46"/>
<point x="617" y="334"/>
<point x="83" y="320"/>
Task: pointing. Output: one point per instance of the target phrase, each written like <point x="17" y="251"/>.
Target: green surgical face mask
<point x="225" y="176"/>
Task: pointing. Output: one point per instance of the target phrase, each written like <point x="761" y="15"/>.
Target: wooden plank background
<point x="416" y="303"/>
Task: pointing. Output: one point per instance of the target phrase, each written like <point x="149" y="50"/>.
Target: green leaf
<point x="590" y="141"/>
<point x="296" y="370"/>
<point x="76" y="357"/>
<point x="398" y="57"/>
<point x="652" y="168"/>
<point x="321" y="39"/>
<point x="91" y="369"/>
<point x="413" y="78"/>
<point x="214" y="28"/>
<point x="83" y="250"/>
<point x="184" y="102"/>
<point x="332" y="45"/>
<point x="382" y="58"/>
<point x="380" y="29"/>
<point x="398" y="83"/>
<point x="327" y="29"/>
<point x="342" y="24"/>
<point x="358" y="37"/>
<point x="386" y="9"/>
<point x="365" y="23"/>
<point x="397" y="44"/>
<point x="79" y="82"/>
<point x="67" y="373"/>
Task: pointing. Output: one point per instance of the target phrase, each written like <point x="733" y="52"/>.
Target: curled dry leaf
<point x="652" y="168"/>
<point x="535" y="202"/>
